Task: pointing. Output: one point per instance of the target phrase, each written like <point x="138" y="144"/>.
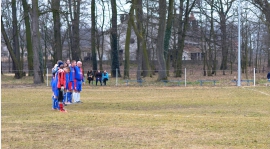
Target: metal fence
<point x="190" y="77"/>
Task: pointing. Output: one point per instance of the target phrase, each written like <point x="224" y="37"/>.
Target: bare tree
<point x="9" y="47"/>
<point x="114" y="38"/>
<point x="127" y="43"/>
<point x="223" y="11"/>
<point x="28" y="38"/>
<point x="75" y="30"/>
<point x="37" y="59"/>
<point x="162" y="75"/>
<point x="264" y="6"/>
<point x="15" y="37"/>
<point x="182" y="29"/>
<point x="57" y="30"/>
<point x="93" y="35"/>
<point x="168" y="35"/>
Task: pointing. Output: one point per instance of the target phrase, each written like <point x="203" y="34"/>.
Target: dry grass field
<point x="132" y="117"/>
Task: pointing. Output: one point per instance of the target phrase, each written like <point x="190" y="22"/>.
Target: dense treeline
<point x="165" y="31"/>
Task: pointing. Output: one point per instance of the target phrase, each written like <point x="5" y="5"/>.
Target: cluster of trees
<point x="42" y="28"/>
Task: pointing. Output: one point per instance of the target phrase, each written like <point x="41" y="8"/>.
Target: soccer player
<point x="79" y="80"/>
<point x="54" y="88"/>
<point x="61" y="83"/>
<point x="67" y="94"/>
<point x="71" y="85"/>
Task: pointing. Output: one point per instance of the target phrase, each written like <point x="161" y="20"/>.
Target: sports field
<point x="138" y="117"/>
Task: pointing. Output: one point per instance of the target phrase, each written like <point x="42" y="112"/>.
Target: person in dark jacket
<point x="90" y="76"/>
<point x="98" y="77"/>
<point x="268" y="76"/>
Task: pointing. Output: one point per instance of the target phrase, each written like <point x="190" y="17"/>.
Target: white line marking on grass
<point x="258" y="91"/>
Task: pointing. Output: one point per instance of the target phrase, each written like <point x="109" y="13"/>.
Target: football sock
<point x="53" y="105"/>
<point x="75" y="97"/>
<point x="56" y="105"/>
<point x="78" y="97"/>
<point x="61" y="106"/>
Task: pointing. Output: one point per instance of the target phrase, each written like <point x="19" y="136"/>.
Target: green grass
<point x="138" y="117"/>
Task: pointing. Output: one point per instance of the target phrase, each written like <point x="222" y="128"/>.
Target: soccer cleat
<point x="63" y="110"/>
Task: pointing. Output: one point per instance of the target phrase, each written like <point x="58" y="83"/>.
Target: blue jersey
<point x="54" y="84"/>
<point x="72" y="74"/>
<point x="67" y="80"/>
<point x="79" y="74"/>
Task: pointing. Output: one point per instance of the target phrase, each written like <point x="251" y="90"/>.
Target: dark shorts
<point x="61" y="95"/>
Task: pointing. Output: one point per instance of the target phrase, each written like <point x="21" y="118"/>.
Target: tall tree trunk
<point x="145" y="63"/>
<point x="162" y="75"/>
<point x="15" y="38"/>
<point x="114" y="38"/>
<point x="38" y="73"/>
<point x="139" y="59"/>
<point x="28" y="38"/>
<point x="93" y="34"/>
<point x="140" y="69"/>
<point x="70" y="29"/>
<point x="141" y="44"/>
<point x="127" y="43"/>
<point x="168" y="36"/>
<point x="75" y="46"/>
<point x="224" y="47"/>
<point x="149" y="30"/>
<point x="57" y="30"/>
<point x="100" y="38"/>
<point x="211" y="43"/>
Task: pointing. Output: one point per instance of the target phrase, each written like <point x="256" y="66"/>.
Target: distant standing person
<point x="61" y="85"/>
<point x="98" y="77"/>
<point x="72" y="80"/>
<point x="79" y="80"/>
<point x="67" y="93"/>
<point x="90" y="76"/>
<point x="105" y="77"/>
<point x="54" y="88"/>
<point x="268" y="76"/>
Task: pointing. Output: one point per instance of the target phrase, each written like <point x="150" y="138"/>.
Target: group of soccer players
<point x="67" y="79"/>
